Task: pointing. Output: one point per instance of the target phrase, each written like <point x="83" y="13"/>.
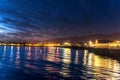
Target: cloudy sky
<point x="48" y="19"/>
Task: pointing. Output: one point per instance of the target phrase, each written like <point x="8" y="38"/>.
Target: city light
<point x="67" y="44"/>
<point x="91" y="44"/>
<point x="110" y="45"/>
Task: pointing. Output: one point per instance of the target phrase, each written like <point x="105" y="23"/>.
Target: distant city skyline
<point x="50" y="19"/>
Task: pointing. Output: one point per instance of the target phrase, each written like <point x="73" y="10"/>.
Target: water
<point x="54" y="63"/>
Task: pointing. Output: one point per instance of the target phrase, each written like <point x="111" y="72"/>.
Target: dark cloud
<point x="46" y="19"/>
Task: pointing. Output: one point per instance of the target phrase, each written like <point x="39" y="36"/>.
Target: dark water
<point x="54" y="63"/>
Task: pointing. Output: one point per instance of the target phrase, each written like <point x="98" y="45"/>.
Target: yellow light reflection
<point x="50" y="55"/>
<point x="65" y="71"/>
<point x="29" y="52"/>
<point x="56" y="55"/>
<point x="76" y="57"/>
<point x="85" y="57"/>
<point x="67" y="55"/>
<point x="102" y="64"/>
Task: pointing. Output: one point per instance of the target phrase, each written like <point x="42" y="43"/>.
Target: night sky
<point x="49" y="19"/>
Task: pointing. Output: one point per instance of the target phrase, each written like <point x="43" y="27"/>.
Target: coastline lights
<point x="67" y="44"/>
<point x="91" y="44"/>
<point x="96" y="44"/>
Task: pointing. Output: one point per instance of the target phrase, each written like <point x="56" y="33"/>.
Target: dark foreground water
<point x="54" y="63"/>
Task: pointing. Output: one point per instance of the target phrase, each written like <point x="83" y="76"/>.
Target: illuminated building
<point x="91" y="44"/>
<point x="104" y="44"/>
<point x="67" y="44"/>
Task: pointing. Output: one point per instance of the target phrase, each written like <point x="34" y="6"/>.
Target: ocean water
<point x="55" y="63"/>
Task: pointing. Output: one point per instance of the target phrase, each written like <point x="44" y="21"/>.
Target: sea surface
<point x="55" y="63"/>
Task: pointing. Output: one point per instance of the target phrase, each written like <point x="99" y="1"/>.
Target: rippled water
<point x="54" y="63"/>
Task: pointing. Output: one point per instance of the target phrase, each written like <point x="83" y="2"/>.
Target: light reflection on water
<point x="54" y="63"/>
